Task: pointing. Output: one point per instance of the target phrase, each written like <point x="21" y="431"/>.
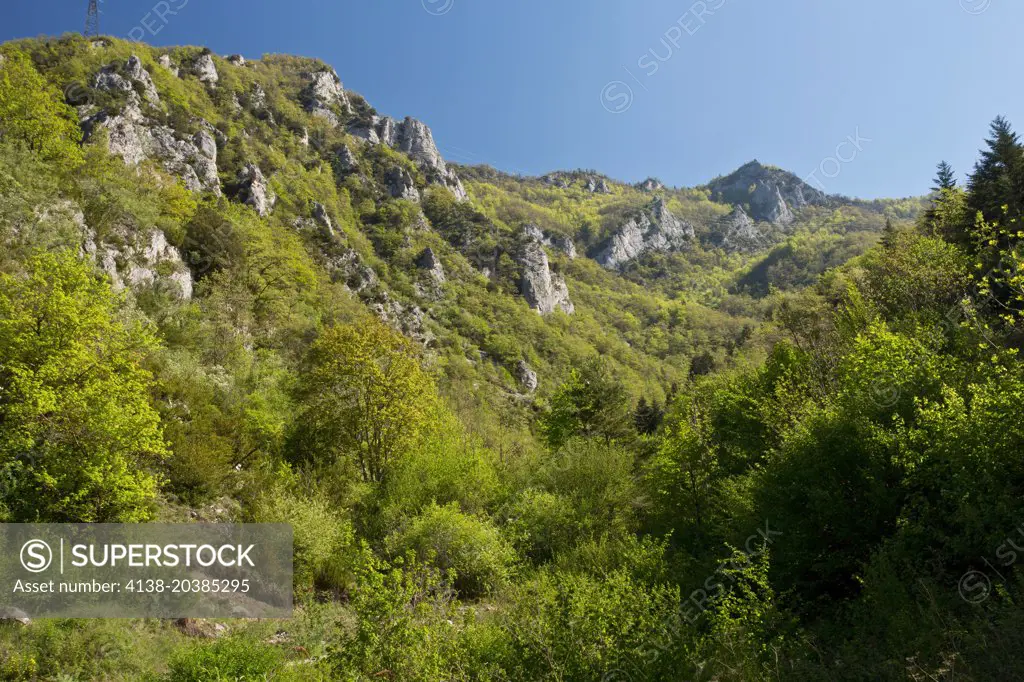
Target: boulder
<point x="237" y="60"/>
<point x="320" y="215"/>
<point x="650" y="185"/>
<point x="655" y="229"/>
<point x="559" y="242"/>
<point x="527" y="377"/>
<point x="349" y="269"/>
<point x="431" y="264"/>
<point x="12" y="614"/>
<point x="345" y="160"/>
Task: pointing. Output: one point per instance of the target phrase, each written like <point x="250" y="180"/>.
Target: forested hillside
<point x="553" y="428"/>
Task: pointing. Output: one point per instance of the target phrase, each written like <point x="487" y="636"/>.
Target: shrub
<point x="470" y="547"/>
<point x="234" y="658"/>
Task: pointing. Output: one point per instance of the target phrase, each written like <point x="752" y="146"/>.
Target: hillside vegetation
<point x="557" y="428"/>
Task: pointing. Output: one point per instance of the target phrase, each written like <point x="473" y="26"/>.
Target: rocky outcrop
<point x="253" y="190"/>
<point x="345" y="161"/>
<point x="559" y="242"/>
<point x="205" y="70"/>
<point x="400" y="184"/>
<point x="545" y="291"/>
<point x="589" y="181"/>
<point x="526" y="377"/>
<point x="349" y="269"/>
<point x="237" y="60"/>
<point x="375" y="130"/>
<point x="141" y="260"/>
<point x="650" y="185"/>
<point x="257" y="100"/>
<point x="408" y="319"/>
<point x="654" y="229"/>
<point x="135" y="138"/>
<point x="738" y="232"/>
<point x="324" y="95"/>
<point x="771" y="194"/>
<point x="134" y="74"/>
<point x="428" y="262"/>
<point x="432" y="279"/>
<point x="414" y="139"/>
<point x="165" y="61"/>
<point x="322" y="218"/>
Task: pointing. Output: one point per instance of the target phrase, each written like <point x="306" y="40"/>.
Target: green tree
<point x="78" y="436"/>
<point x="998" y="178"/>
<point x="945" y="178"/>
<point x="32" y="111"/>
<point x="592" y="402"/>
<point x="365" y="399"/>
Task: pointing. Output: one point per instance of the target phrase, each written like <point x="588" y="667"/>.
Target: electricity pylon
<point x="92" y="19"/>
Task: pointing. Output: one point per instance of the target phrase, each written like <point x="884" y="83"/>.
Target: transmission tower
<point x="92" y="19"/>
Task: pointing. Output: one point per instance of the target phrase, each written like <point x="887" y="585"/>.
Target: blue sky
<point x="862" y="97"/>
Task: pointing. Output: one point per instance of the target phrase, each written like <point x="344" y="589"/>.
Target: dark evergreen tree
<point x="945" y="179"/>
<point x="998" y="176"/>
<point x="889" y="234"/>
<point x="648" y="417"/>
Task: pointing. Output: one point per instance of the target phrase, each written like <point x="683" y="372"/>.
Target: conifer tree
<point x="945" y="179"/>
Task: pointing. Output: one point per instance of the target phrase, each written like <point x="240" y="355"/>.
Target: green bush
<point x="471" y="548"/>
<point x="231" y="659"/>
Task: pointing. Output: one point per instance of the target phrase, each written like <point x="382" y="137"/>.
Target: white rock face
<point x="237" y="60"/>
<point x="346" y="160"/>
<point x="134" y="73"/>
<point x="655" y="229"/>
<point x="770" y="193"/>
<point x="431" y="264"/>
<point x="527" y="377"/>
<point x="376" y="129"/>
<point x="206" y="70"/>
<point x="323" y="93"/>
<point x="255" y="191"/>
<point x="138" y="260"/>
<point x="165" y="61"/>
<point x="322" y="218"/>
<point x="651" y="185"/>
<point x="414" y="139"/>
<point x="557" y="241"/>
<point x="400" y="184"/>
<point x="135" y="138"/>
<point x="740" y="233"/>
<point x="544" y="290"/>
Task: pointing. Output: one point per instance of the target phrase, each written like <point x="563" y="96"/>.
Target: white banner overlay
<point x="148" y="570"/>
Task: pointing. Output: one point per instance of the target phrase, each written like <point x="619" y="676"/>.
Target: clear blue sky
<point x="525" y="85"/>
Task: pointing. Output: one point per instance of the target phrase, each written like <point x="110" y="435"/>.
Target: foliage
<point x="32" y="111"/>
<point x="78" y="434"/>
<point x="365" y="399"/>
<point x="469" y="548"/>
